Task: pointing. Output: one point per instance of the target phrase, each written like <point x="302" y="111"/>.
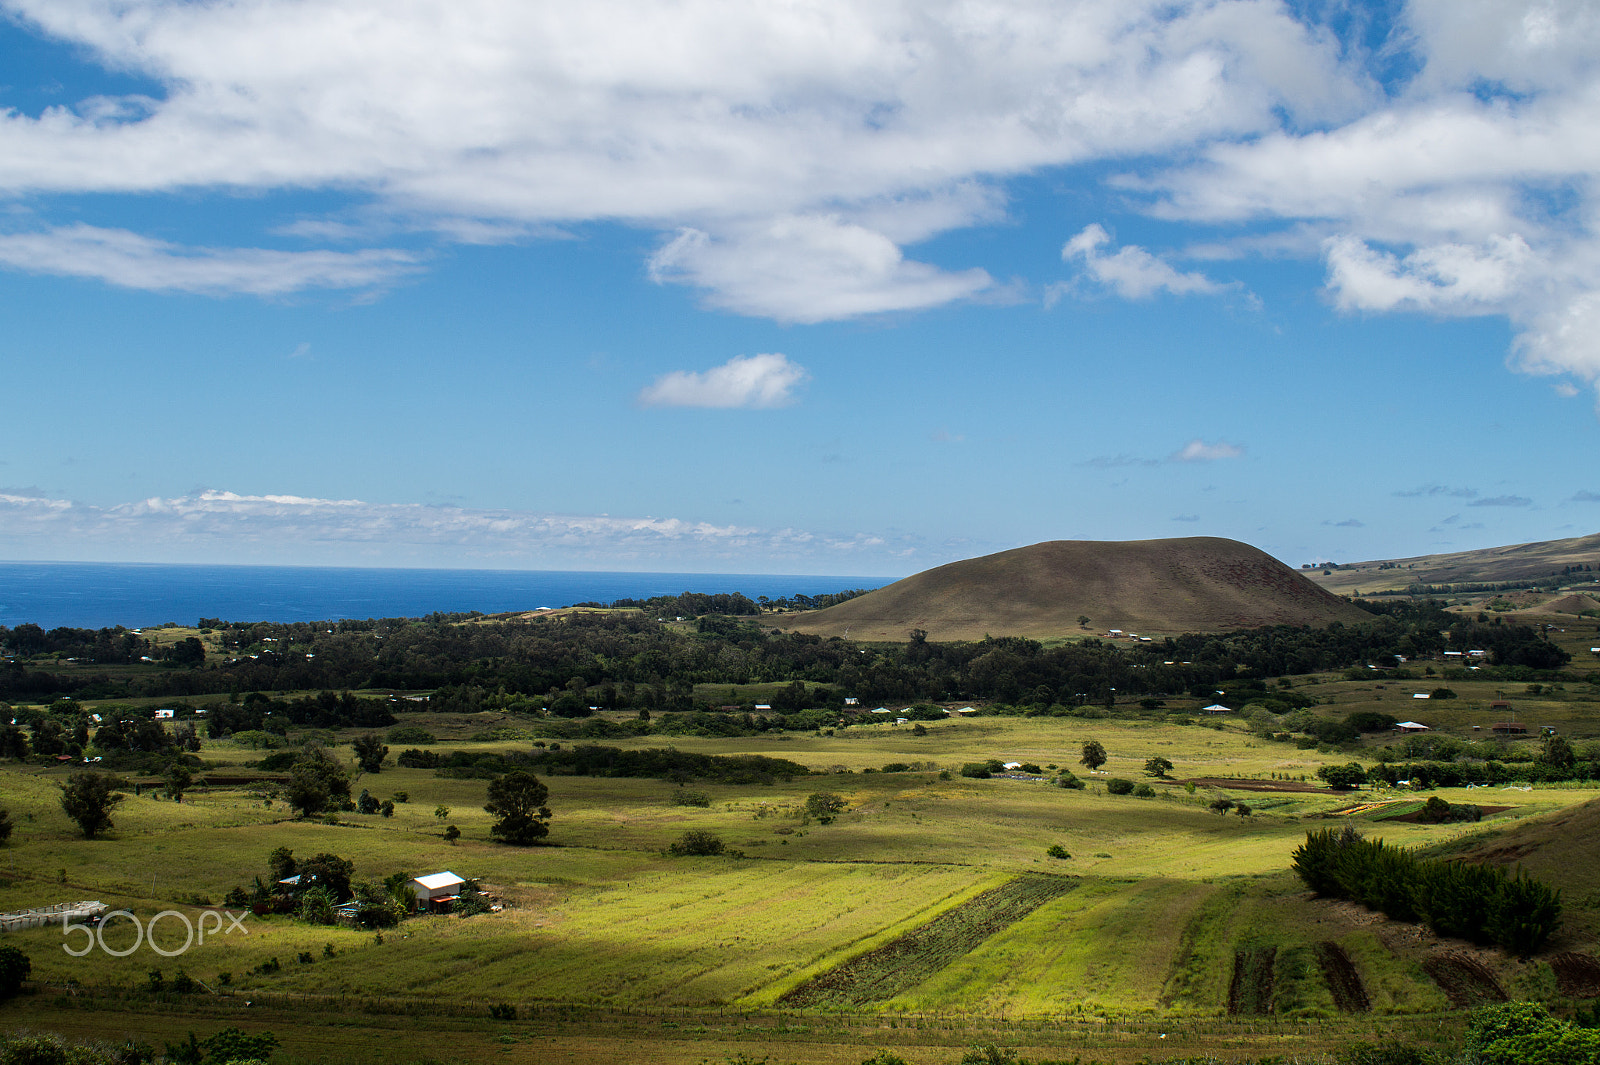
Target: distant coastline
<point x="103" y="594"/>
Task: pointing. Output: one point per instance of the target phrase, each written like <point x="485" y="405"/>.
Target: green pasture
<point x="1166" y="892"/>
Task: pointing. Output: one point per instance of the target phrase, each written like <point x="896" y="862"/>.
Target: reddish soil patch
<point x="1252" y="785"/>
<point x="1577" y="975"/>
<point x="1464" y="979"/>
<point x="1250" y="991"/>
<point x="1349" y="994"/>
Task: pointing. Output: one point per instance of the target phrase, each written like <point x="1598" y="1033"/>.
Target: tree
<point x="178" y="779"/>
<point x="315" y="782"/>
<point x="1083" y="621"/>
<point x="825" y="806"/>
<point x="1158" y="767"/>
<point x="1343" y="776"/>
<point x="1094" y="755"/>
<point x="1557" y="752"/>
<point x="13" y="742"/>
<point x="370" y="753"/>
<point x="330" y="872"/>
<point x="88" y="798"/>
<point x="14" y="968"/>
<point x="518" y="799"/>
<point x="282" y="864"/>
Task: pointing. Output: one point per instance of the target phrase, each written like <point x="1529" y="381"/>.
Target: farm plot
<point x="1349" y="994"/>
<point x="1465" y="979"/>
<point x="1104" y="948"/>
<point x="1250" y="991"/>
<point x="898" y="966"/>
<point x="1577" y="975"/>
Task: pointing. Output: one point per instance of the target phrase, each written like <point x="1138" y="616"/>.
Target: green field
<point x="613" y="951"/>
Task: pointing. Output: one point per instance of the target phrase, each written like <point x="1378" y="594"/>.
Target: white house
<point x="1411" y="726"/>
<point x="164" y="715"/>
<point x="1218" y="708"/>
<point x="1421" y="695"/>
<point x="434" y="888"/>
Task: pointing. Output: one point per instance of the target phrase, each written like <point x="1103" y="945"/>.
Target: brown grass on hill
<point x="1193" y="584"/>
<point x="1489" y="565"/>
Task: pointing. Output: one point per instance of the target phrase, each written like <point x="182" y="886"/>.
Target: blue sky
<point x="822" y="287"/>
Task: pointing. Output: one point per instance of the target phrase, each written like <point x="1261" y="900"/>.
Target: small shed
<point x="164" y="715"/>
<point x="1218" y="708"/>
<point x="1422" y="695"/>
<point x="436" y="891"/>
<point x="1411" y="726"/>
<point x="1510" y="728"/>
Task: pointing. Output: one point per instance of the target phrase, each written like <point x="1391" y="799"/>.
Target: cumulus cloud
<point x="1445" y="278"/>
<point x="1502" y="501"/>
<point x="482" y="120"/>
<point x="332" y="530"/>
<point x="1585" y="497"/>
<point x="749" y="381"/>
<point x="1131" y="272"/>
<point x="1199" y="451"/>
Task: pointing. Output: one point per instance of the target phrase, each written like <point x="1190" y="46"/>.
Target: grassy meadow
<point x="611" y="950"/>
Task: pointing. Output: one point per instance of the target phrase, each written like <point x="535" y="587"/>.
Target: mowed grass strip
<point x="905" y="962"/>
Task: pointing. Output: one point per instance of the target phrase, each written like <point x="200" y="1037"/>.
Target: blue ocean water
<point x="100" y="594"/>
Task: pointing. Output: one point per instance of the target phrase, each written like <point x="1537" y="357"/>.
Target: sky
<point x="820" y="286"/>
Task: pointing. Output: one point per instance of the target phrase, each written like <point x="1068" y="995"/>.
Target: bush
<point x="1118" y="786"/>
<point x="1144" y="791"/>
<point x="1065" y="779"/>
<point x="1057" y="851"/>
<point x="698" y="843"/>
<point x="825" y="806"/>
<point x="977" y="770"/>
<point x="684" y="797"/>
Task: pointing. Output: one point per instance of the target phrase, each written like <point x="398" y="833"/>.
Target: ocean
<point x="95" y="595"/>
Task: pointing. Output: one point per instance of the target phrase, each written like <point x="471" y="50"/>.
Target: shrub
<point x="1066" y="780"/>
<point x="697" y="842"/>
<point x="1118" y="786"/>
<point x="684" y="797"/>
<point x="1144" y="791"/>
<point x="1057" y="851"/>
<point x="977" y="770"/>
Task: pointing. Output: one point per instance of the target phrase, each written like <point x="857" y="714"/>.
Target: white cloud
<point x="749" y="381"/>
<point x="1200" y="451"/>
<point x="229" y="525"/>
<point x="476" y="117"/>
<point x="1445" y="278"/>
<point x="134" y="261"/>
<point x="808" y="269"/>
<point x="1132" y="272"/>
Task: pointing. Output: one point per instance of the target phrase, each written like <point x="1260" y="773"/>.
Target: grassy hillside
<point x="1193" y="584"/>
<point x="1489" y="565"/>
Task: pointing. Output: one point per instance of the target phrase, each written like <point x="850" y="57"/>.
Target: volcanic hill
<point x="1193" y="584"/>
